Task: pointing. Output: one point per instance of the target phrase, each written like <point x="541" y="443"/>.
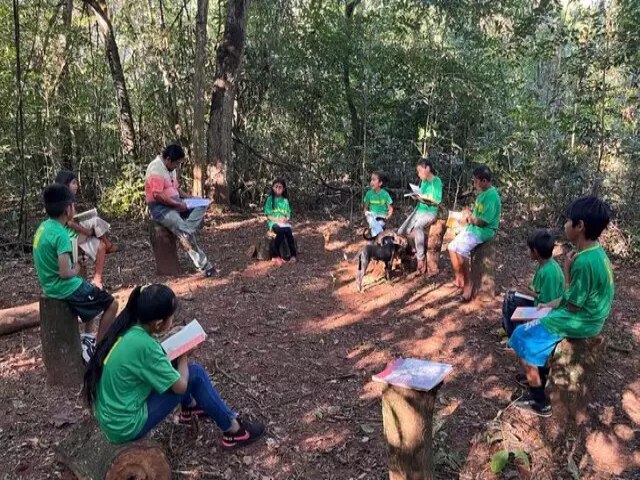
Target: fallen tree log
<point x="18" y="318"/>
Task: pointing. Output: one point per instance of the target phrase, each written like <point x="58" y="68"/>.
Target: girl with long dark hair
<point x="131" y="385"/>
<point x="278" y="213"/>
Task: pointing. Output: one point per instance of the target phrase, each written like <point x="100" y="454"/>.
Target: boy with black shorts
<point x="581" y="310"/>
<point x="58" y="274"/>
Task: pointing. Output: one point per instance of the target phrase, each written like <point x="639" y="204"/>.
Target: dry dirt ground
<point x="296" y="347"/>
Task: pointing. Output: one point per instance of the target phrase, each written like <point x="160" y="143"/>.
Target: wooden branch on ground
<point x="18" y="318"/>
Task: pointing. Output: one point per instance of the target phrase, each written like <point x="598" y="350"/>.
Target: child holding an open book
<point x="378" y="206"/>
<point x="278" y="213"/>
<point x="93" y="241"/>
<point x="547" y="284"/>
<point x="132" y="386"/>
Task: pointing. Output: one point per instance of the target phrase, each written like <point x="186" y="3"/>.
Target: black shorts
<point x="88" y="301"/>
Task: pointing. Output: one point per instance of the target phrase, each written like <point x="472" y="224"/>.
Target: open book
<point x="74" y="250"/>
<point x="197" y="202"/>
<point x="415" y="190"/>
<point x="455" y="219"/>
<point x="90" y="219"/>
<point x="524" y="296"/>
<point x="523" y="314"/>
<point x="413" y="373"/>
<point x="186" y="339"/>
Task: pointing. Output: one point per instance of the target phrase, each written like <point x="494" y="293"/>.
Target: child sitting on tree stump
<point x="378" y="206"/>
<point x="583" y="307"/>
<point x="58" y="271"/>
<point x="278" y="213"/>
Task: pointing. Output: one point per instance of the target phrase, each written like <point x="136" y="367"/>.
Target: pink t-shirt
<point x="159" y="179"/>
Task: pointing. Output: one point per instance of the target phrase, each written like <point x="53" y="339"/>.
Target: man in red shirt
<point x="165" y="200"/>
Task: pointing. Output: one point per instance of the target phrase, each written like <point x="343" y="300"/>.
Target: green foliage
<point x="501" y="459"/>
<point x="126" y="196"/>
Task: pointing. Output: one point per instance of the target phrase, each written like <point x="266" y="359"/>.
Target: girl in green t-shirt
<point x="132" y="386"/>
<point x="278" y="213"/>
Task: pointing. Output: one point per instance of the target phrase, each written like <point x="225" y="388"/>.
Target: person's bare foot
<point x="432" y="273"/>
<point x="467" y="292"/>
<point x="98" y="283"/>
<point x="293" y="259"/>
<point x="277" y="261"/>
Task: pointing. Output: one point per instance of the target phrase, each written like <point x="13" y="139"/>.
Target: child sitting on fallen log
<point x="548" y="282"/>
<point x="97" y="247"/>
<point x="582" y="309"/>
<point x="132" y="386"/>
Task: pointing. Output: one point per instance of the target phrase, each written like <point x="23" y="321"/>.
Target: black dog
<point x="384" y="252"/>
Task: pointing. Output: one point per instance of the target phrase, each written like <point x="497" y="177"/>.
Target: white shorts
<point x="464" y="242"/>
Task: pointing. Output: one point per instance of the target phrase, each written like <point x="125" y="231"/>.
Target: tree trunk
<point x="356" y="124"/>
<point x="61" y="351"/>
<point x="125" y="117"/>
<point x="483" y="270"/>
<point x="219" y="141"/>
<point x="90" y="456"/>
<point x="407" y="417"/>
<point x="19" y="124"/>
<point x="64" y="112"/>
<point x="199" y="132"/>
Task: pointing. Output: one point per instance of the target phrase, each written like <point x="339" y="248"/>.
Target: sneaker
<point x="529" y="404"/>
<point x="189" y="413"/>
<point x="248" y="433"/>
<point x="88" y="345"/>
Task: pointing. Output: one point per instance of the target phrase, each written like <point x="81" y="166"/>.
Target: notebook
<point x="522" y="314"/>
<point x="196" y="202"/>
<point x="186" y="339"/>
<point x="413" y="373"/>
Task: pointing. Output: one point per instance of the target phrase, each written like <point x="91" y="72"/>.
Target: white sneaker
<point x="88" y="344"/>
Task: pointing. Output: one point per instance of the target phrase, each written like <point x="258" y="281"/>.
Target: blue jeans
<point x="200" y="389"/>
<point x="416" y="223"/>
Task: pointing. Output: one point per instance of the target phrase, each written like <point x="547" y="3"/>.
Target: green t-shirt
<point x="378" y="202"/>
<point x="50" y="241"/>
<point x="280" y="209"/>
<point x="591" y="290"/>
<point x="487" y="208"/>
<point x="135" y="367"/>
<point x="548" y="282"/>
<point x="433" y="191"/>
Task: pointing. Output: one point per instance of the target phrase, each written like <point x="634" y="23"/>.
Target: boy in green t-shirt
<point x="59" y="274"/>
<point x="378" y="206"/>
<point x="426" y="210"/>
<point x="548" y="282"/>
<point x="582" y="309"/>
<point x="482" y="227"/>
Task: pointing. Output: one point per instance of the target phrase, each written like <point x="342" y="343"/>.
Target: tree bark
<point x="357" y="133"/>
<point x="22" y="216"/>
<point x="64" y="112"/>
<point x="219" y="141"/>
<point x="199" y="132"/>
<point x="89" y="455"/>
<point x="483" y="270"/>
<point x="125" y="117"/>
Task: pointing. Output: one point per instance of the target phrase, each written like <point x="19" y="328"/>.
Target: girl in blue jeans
<point x="132" y="386"/>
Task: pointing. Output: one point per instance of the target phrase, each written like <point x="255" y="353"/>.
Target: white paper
<point x="197" y="202"/>
<point x="284" y="225"/>
<point x="525" y="297"/>
<point x="415" y="189"/>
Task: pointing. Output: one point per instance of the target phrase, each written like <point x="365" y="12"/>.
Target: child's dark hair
<point x="285" y="194"/>
<point x="173" y="152"/>
<point x="542" y="242"/>
<point x="65" y="177"/>
<point x="593" y="212"/>
<point x="56" y="197"/>
<point x="145" y="304"/>
<point x="425" y="162"/>
<point x="482" y="172"/>
<point x="381" y="176"/>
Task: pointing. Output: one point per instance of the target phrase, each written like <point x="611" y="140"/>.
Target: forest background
<point x="322" y="92"/>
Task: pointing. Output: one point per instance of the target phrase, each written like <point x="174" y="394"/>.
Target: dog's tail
<point x="366" y="235"/>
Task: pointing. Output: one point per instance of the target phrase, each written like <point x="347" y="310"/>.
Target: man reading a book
<point x="165" y="200"/>
<point x="482" y="226"/>
<point x="582" y="309"/>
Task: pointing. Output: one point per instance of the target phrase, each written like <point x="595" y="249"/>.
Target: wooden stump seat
<point x="90" y="456"/>
<point x="407" y="417"/>
<point x="483" y="266"/>
<point x="261" y="249"/>
<point x="165" y="249"/>
<point x="61" y="350"/>
<point x="573" y="372"/>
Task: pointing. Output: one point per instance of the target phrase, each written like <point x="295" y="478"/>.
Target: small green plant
<point x="502" y="458"/>
<point x="125" y="198"/>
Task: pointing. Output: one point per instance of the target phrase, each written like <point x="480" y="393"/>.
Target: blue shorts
<point x="533" y="343"/>
<point x="88" y="301"/>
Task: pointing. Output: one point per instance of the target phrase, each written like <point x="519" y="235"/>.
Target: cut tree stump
<point x="434" y="245"/>
<point x="90" y="456"/>
<point x="407" y="417"/>
<point x="483" y="267"/>
<point x="165" y="249"/>
<point x="61" y="351"/>
<point x="573" y="372"/>
<point x="262" y="248"/>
